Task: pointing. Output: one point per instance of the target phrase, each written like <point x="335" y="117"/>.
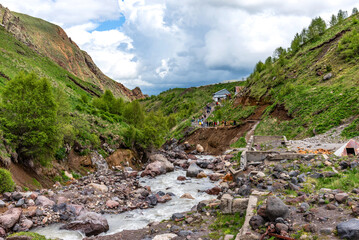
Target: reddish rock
<point x="310" y="228"/>
<point x="187" y="195"/>
<point x="215" y="176"/>
<point x="201" y="175"/>
<point x="164" y="198"/>
<point x="330" y="206"/>
<point x="156" y="168"/>
<point x="61" y="200"/>
<point x="296" y="200"/>
<point x="112" y="204"/>
<point x="214" y="191"/>
<point x="181" y="178"/>
<point x="2" y="232"/>
<point x="26" y="224"/>
<point x="341" y="197"/>
<point x="281" y="227"/>
<point x="34" y="195"/>
<point x="10" y="217"/>
<point x="44" y="201"/>
<point x="133" y="174"/>
<point x="89" y="223"/>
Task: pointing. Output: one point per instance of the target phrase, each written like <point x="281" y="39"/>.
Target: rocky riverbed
<point x="314" y="197"/>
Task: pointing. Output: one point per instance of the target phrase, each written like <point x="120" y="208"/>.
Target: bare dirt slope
<point x="217" y="140"/>
<point x="25" y="178"/>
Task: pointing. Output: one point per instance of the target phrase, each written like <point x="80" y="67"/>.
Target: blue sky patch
<point x="111" y="24"/>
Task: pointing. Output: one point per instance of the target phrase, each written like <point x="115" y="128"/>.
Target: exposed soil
<point x="217" y="140"/>
<point x="281" y="114"/>
<point x="26" y="178"/>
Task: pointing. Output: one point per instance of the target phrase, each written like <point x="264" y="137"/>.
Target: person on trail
<point x="234" y="123"/>
<point x="225" y="122"/>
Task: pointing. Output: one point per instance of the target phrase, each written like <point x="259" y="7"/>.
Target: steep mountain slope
<point x="317" y="86"/>
<point x="51" y="41"/>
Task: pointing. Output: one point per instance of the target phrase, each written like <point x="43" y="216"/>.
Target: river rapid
<point x="140" y="218"/>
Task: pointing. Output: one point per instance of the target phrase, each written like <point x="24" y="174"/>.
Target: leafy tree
<point x="342" y="15"/>
<point x="108" y="103"/>
<point x="333" y="20"/>
<point x="30" y="117"/>
<point x="355" y="11"/>
<point x="259" y="67"/>
<point x="296" y="42"/>
<point x="304" y="36"/>
<point x="134" y="114"/>
<point x="279" y="52"/>
<point x="316" y="28"/>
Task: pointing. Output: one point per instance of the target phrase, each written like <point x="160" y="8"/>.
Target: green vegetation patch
<point x="6" y="182"/>
<point x="32" y="235"/>
<point x="240" y="143"/>
<point x="345" y="181"/>
<point x="226" y="224"/>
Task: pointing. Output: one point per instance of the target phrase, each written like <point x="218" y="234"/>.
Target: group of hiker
<point x="204" y="123"/>
<point x="202" y="120"/>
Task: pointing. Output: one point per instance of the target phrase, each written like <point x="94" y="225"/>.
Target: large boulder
<point x="44" y="201"/>
<point x="99" y="188"/>
<point x="276" y="208"/>
<point x="89" y="223"/>
<point x="161" y="158"/>
<point x="154" y="169"/>
<point x="10" y="217"/>
<point x="158" y="166"/>
<point x="199" y="148"/>
<point x="349" y="229"/>
<point x="193" y="170"/>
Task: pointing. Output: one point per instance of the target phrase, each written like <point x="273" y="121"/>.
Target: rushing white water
<point x="139" y="218"/>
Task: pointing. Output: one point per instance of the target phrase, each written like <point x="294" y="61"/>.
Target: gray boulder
<point x="327" y="76"/>
<point x="89" y="223"/>
<point x="276" y="208"/>
<point x="193" y="170"/>
<point x="349" y="229"/>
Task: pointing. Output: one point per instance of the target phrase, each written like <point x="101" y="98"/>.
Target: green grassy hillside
<point x="317" y="84"/>
<point x="51" y="41"/>
<point x="181" y="104"/>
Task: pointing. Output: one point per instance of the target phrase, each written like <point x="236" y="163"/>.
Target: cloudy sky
<point x="161" y="44"/>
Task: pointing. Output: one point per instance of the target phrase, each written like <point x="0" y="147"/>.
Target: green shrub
<point x="6" y="182"/>
<point x="60" y="154"/>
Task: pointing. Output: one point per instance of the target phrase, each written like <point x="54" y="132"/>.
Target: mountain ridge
<point x="52" y="41"/>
